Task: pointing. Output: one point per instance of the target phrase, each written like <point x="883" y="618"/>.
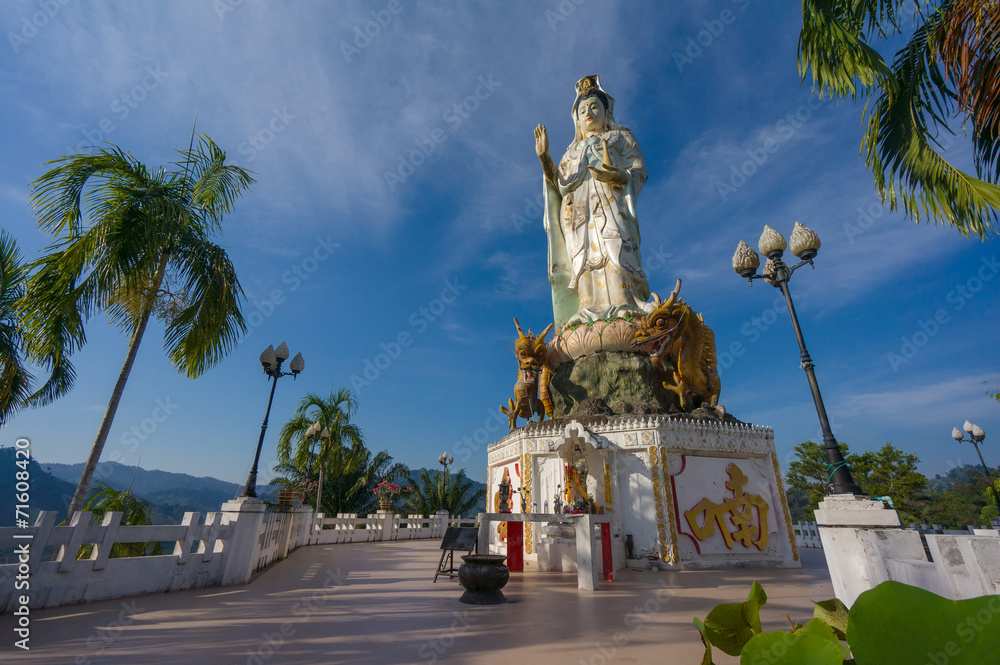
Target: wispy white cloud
<point x="932" y="404"/>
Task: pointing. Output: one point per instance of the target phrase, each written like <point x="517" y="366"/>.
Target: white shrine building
<point x="691" y="493"/>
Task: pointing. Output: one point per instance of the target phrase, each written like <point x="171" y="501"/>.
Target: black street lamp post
<point x="976" y="436"/>
<point x="805" y="245"/>
<point x="271" y="360"/>
<point x="444" y="460"/>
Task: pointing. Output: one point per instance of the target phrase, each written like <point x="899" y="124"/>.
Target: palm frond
<point x="833" y="44"/>
<point x="967" y="41"/>
<point x="950" y="65"/>
<point x="898" y="146"/>
<point x="120" y="229"/>
<point x="214" y="185"/>
<point x="210" y="327"/>
<point x="58" y="195"/>
<point x="15" y="379"/>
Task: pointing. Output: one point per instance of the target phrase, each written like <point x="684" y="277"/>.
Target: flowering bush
<point x="387" y="490"/>
<point x="306" y="490"/>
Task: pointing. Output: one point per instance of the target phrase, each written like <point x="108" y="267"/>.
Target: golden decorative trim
<point x="658" y="496"/>
<point x="675" y="555"/>
<point x="608" y="499"/>
<point x="526" y="481"/>
<point x="784" y="506"/>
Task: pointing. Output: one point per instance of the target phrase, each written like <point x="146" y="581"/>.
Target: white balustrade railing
<point x="349" y="528"/>
<point x="807" y="535"/>
<point x="225" y="547"/>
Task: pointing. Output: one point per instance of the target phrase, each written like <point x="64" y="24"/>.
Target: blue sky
<point x="383" y="210"/>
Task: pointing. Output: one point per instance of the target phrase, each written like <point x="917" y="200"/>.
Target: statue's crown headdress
<point x="588" y="86"/>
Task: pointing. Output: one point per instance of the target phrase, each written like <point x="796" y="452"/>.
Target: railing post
<point x="587" y="577"/>
<point x="244" y="515"/>
<point x="441" y="519"/>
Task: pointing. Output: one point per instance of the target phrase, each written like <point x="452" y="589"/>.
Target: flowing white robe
<point x="594" y="264"/>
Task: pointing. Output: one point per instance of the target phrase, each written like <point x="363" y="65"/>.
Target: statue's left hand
<point x="610" y="174"/>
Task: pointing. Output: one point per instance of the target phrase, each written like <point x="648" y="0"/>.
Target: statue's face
<point x="591" y="115"/>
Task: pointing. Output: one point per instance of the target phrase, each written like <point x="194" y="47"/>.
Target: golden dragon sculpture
<point x="531" y="392"/>
<point x="680" y="344"/>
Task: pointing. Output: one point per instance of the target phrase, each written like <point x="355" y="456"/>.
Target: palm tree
<point x="326" y="421"/>
<point x="131" y="242"/>
<point x="454" y="492"/>
<point x="351" y="492"/>
<point x="949" y="67"/>
<point x="15" y="380"/>
<point x="362" y="472"/>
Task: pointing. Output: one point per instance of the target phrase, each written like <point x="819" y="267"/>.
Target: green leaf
<point x="801" y="648"/>
<point x="833" y="613"/>
<point x="730" y="626"/>
<point x="706" y="659"/>
<point x="898" y="623"/>
<point x="819" y="628"/>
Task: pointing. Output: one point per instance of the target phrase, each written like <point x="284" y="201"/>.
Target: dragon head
<point x="656" y="329"/>
<point x="530" y="352"/>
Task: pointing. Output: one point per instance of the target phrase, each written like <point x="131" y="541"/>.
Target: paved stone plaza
<point x="375" y="603"/>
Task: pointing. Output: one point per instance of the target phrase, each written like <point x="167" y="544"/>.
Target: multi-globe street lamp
<point x="805" y="245"/>
<point x="271" y="360"/>
<point x="317" y="434"/>
<point x="445" y="460"/>
<point x="976" y="436"/>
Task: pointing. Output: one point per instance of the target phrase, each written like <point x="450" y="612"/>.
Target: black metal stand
<point x="463" y="539"/>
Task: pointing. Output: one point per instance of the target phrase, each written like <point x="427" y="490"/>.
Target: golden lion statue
<point x="531" y="392"/>
<point x="680" y="344"/>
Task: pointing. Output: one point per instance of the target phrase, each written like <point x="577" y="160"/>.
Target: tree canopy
<point x="958" y="499"/>
<point x="358" y="475"/>
<point x="885" y="472"/>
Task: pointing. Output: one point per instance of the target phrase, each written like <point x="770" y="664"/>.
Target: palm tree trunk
<point x="80" y="496"/>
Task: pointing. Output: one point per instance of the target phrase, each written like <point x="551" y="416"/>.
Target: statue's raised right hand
<point x="541" y="141"/>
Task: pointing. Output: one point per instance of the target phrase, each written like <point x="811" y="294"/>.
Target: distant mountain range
<point x="966" y="474"/>
<point x="45" y="492"/>
<point x="171" y="494"/>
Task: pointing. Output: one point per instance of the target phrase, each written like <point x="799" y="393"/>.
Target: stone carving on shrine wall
<point x="735" y="517"/>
